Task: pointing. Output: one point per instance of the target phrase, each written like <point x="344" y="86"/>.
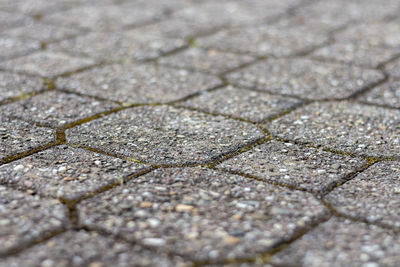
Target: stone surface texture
<point x="199" y="133"/>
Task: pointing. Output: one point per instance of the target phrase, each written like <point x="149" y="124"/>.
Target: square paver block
<point x="25" y="218"/>
<point x="17" y="136"/>
<point x="138" y="83"/>
<point x="361" y="54"/>
<point x="242" y="103"/>
<point x="14" y="85"/>
<point x="126" y="46"/>
<point x="47" y="64"/>
<point x="345" y="126"/>
<point x="67" y="172"/>
<point x="211" y="61"/>
<point x="202" y="213"/>
<point x="340" y="242"/>
<point x="372" y="195"/>
<point x="393" y="68"/>
<point x="264" y="40"/>
<point x="12" y="47"/>
<point x="56" y="109"/>
<point x="305" y="78"/>
<point x="303" y="167"/>
<point x="165" y="135"/>
<point x="81" y="248"/>
<point x="387" y="94"/>
<point x="42" y="32"/>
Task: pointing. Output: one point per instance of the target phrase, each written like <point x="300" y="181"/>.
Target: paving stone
<point x="12" y="47"/>
<point x="202" y="213"/>
<point x="42" y="32"/>
<point x="13" y="85"/>
<point x="355" y="53"/>
<point x="9" y="20"/>
<point x="393" y="69"/>
<point x="47" y="64"/>
<point x="67" y="172"/>
<point x="56" y="109"/>
<point x="133" y="44"/>
<point x="19" y="136"/>
<point x="305" y="78"/>
<point x="307" y="168"/>
<point x="138" y="83"/>
<point x="375" y="33"/>
<point x="82" y="248"/>
<point x="346" y="126"/>
<point x="25" y="218"/>
<point x="241" y="103"/>
<point x="32" y="7"/>
<point x="277" y="40"/>
<point x="372" y="195"/>
<point x="387" y="94"/>
<point x="340" y="242"/>
<point x="211" y="61"/>
<point x="165" y="135"/>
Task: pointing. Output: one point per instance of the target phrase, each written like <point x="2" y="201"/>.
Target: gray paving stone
<point x="372" y="195"/>
<point x="12" y="47"/>
<point x="9" y="20"/>
<point x="47" y="64"/>
<point x="19" y="136"/>
<point x="138" y="83"/>
<point x="133" y="44"/>
<point x="387" y="94"/>
<point x="42" y="32"/>
<point x="346" y="126"/>
<point x="303" y="167"/>
<point x="357" y="53"/>
<point x="393" y="69"/>
<point x="82" y="248"/>
<point x="165" y="135"/>
<point x="277" y="40"/>
<point x="342" y="243"/>
<point x="305" y="78"/>
<point x="32" y="7"/>
<point x="374" y="33"/>
<point x="25" y="218"/>
<point x="202" y="213"/>
<point x="56" y="109"/>
<point x="67" y="172"/>
<point x="211" y="61"/>
<point x="241" y="103"/>
<point x="13" y="85"/>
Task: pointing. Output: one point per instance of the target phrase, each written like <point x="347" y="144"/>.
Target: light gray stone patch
<point x="340" y="242"/>
<point x="374" y="33"/>
<point x="67" y="172"/>
<point x="303" y="167"/>
<point x="138" y="83"/>
<point x="13" y="47"/>
<point x="211" y="61"/>
<point x="55" y="109"/>
<point x="33" y="7"/>
<point x="42" y="32"/>
<point x="126" y="46"/>
<point x="165" y="135"/>
<point x="305" y="78"/>
<point x="25" y="218"/>
<point x="393" y="69"/>
<point x="81" y="248"/>
<point x="202" y="213"/>
<point x="345" y="126"/>
<point x="372" y="195"/>
<point x="365" y="55"/>
<point x="241" y="103"/>
<point x="18" y="136"/>
<point x="9" y="20"/>
<point x="277" y="40"/>
<point x="387" y="94"/>
<point x="14" y="85"/>
<point x="47" y="64"/>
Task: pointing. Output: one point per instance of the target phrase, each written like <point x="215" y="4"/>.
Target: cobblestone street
<point x="199" y="133"/>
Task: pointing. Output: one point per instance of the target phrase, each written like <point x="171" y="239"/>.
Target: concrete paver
<point x="387" y="94"/>
<point x="13" y="47"/>
<point x="14" y="85"/>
